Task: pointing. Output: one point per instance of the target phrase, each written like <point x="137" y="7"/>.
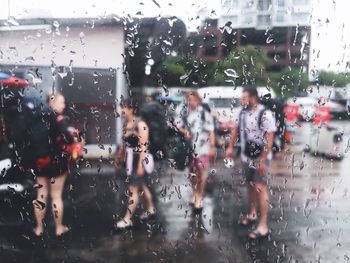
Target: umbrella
<point x="9" y="81"/>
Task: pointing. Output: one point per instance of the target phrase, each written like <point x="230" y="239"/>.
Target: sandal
<point x="197" y="210"/>
<point x="246" y="220"/>
<point x="256" y="235"/>
<point x="146" y="216"/>
<point x="123" y="225"/>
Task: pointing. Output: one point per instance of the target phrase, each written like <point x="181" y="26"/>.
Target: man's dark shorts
<point x="250" y="173"/>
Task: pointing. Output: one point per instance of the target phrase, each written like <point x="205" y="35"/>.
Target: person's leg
<point x="149" y="199"/>
<point x="201" y="183"/>
<point x="262" y="194"/>
<point x="253" y="202"/>
<point x="132" y="203"/>
<point x="57" y="203"/>
<point x="248" y="174"/>
<point x="193" y="176"/>
<point x="40" y="204"/>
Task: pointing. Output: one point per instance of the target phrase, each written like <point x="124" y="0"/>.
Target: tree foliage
<point x="330" y="78"/>
<point x="289" y="82"/>
<point x="248" y="62"/>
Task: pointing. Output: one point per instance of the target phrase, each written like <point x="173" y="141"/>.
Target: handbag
<point x="179" y="151"/>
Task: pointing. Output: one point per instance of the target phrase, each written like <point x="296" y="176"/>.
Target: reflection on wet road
<point x="309" y="218"/>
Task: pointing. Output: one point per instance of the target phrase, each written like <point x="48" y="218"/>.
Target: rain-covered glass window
<point x="174" y="131"/>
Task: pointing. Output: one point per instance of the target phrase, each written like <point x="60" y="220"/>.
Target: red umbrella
<point x="8" y="81"/>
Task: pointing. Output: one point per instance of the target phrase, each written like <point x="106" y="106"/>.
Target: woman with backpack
<point x="138" y="162"/>
<point x="52" y="169"/>
<point x="197" y="125"/>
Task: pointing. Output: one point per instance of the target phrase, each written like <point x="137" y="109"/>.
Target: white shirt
<point x="253" y="131"/>
<point x="198" y="127"/>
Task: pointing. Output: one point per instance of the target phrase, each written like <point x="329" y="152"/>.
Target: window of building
<point x="281" y="3"/>
<point x="301" y="2"/>
<point x="247" y="20"/>
<point x="210" y="46"/>
<point x="280" y="17"/>
<point x="264" y="5"/>
<point x="232" y="19"/>
<point x="232" y="4"/>
<point x="264" y="20"/>
<point x="301" y="18"/>
<point x="248" y="4"/>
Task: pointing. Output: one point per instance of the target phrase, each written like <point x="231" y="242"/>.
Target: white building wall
<point x="101" y="47"/>
<point x="251" y="14"/>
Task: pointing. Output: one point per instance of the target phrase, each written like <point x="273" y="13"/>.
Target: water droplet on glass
<point x="13" y="21"/>
<point x="231" y="73"/>
<point x="48" y="30"/>
<point x="229" y="162"/>
<point x="269" y="39"/>
<point x="29" y="59"/>
<point x="81" y="36"/>
<point x="131" y="52"/>
<point x="56" y="24"/>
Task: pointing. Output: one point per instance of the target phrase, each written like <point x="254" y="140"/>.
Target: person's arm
<point x="269" y="125"/>
<point x="268" y="146"/>
<point x="186" y="133"/>
<point x="232" y="141"/>
<point x="119" y="156"/>
<point x="179" y="122"/>
<point x="212" y="151"/>
<point x="143" y="133"/>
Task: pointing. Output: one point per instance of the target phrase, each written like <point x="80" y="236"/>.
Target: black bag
<point x="154" y="115"/>
<point x="252" y="149"/>
<point x="180" y="151"/>
<point x="29" y="130"/>
<point x="180" y="148"/>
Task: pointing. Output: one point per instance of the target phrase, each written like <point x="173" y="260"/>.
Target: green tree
<point x="289" y="82"/>
<point x="330" y="78"/>
<point x="243" y="66"/>
<point x="186" y="71"/>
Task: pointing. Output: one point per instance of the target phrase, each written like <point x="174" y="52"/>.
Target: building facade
<point x="279" y="27"/>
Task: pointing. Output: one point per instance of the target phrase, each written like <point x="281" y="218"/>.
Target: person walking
<point x="255" y="126"/>
<point x="51" y="170"/>
<point x="139" y="164"/>
<point x="197" y="125"/>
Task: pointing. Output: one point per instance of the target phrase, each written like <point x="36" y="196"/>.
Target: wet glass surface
<point x="94" y="93"/>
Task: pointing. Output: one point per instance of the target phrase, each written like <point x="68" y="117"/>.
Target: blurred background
<point x="296" y="52"/>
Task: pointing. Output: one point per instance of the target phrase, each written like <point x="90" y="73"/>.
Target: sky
<point x="330" y="38"/>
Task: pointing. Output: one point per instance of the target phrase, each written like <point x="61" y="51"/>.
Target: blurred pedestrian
<point x="255" y="126"/>
<point x="139" y="164"/>
<point x="197" y="125"/>
<point x="51" y="170"/>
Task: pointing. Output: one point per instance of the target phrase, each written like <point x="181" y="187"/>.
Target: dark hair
<point x="129" y="103"/>
<point x="252" y="91"/>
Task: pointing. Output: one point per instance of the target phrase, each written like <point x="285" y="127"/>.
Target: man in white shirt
<point x="197" y="125"/>
<point x="255" y="127"/>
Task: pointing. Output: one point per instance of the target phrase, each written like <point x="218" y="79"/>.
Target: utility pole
<point x="8" y="9"/>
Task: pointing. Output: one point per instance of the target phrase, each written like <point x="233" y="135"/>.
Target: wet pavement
<point x="309" y="219"/>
